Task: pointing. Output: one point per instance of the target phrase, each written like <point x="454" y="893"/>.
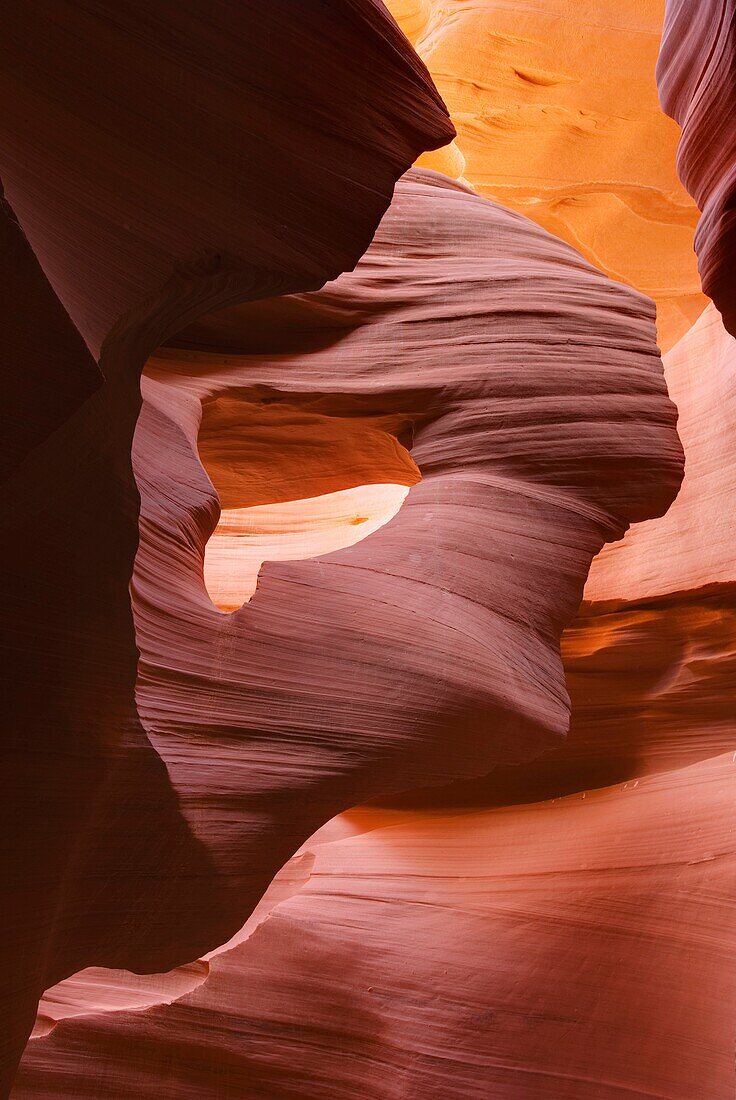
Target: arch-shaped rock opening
<point x="293" y="483"/>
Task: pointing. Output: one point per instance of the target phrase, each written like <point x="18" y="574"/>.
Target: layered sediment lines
<point x="556" y="111"/>
<point x="650" y="658"/>
<point x="156" y="171"/>
<point x="367" y="514"/>
<point x="691" y="548"/>
<point x="695" y="73"/>
<point x="563" y="928"/>
<point x="309" y="699"/>
<point x="580" y="947"/>
<point x="145" y="150"/>
<point x="525" y="422"/>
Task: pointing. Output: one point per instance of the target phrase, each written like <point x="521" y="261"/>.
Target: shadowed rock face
<point x="526" y="934"/>
<point x="50" y="371"/>
<point x="157" y="172"/>
<point x="697" y="88"/>
<point x="580" y="947"/>
<point x="524" y="421"/>
<point x="367" y="515"/>
<point x="138" y="143"/>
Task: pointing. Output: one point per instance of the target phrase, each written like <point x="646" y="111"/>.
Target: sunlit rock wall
<point x="556" y="110"/>
<point x="415" y="790"/>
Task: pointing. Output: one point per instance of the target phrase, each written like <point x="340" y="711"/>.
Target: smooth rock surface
<point x="556" y="111"/>
<point x="156" y="153"/>
<point x="574" y="948"/>
<point x="157" y="172"/>
<point x="525" y="420"/>
<point x="697" y="88"/>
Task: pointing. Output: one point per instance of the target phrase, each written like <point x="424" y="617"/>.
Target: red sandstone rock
<point x="252" y="714"/>
<point x="471" y="423"/>
<point x="524" y="420"/>
<point x="517" y="394"/>
<point x="49" y="371"/>
<point x="158" y="168"/>
<point x="577" y="948"/>
<point x="697" y="88"/>
<point x="242" y="150"/>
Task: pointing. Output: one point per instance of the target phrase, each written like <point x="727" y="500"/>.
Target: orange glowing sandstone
<point x="556" y="110"/>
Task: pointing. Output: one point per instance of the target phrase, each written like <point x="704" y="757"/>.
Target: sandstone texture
<point x="368" y="607"/>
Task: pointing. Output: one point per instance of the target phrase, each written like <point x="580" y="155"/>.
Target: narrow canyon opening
<point x="293" y="483"/>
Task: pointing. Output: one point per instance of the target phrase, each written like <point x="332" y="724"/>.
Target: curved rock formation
<point x="318" y="659"/>
<point x="489" y="409"/>
<point x="650" y="658"/>
<point x="99" y="990"/>
<point x="577" y="948"/>
<point x="525" y="421"/>
<point x="157" y="170"/>
<point x="555" y="105"/>
<point x="697" y="88"/>
<point x="691" y="548"/>
<point x="50" y="371"/>
<point x="140" y="145"/>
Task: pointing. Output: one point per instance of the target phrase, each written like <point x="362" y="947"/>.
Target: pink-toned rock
<point x="691" y="548"/>
<point x="651" y="656"/>
<point x="525" y="472"/>
<point x="695" y="74"/>
<point x="525" y="421"/>
<point x="577" y="948"/>
<point x="560" y="942"/>
<point x="161" y="162"/>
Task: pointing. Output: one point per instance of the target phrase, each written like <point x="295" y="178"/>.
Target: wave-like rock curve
<point x="525" y="420"/>
<point x="697" y="87"/>
<point x="555" y="106"/>
<point x="157" y="169"/>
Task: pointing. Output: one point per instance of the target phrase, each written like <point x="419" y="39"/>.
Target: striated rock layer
<point x="537" y="917"/>
<point x="526" y="391"/>
<point x="157" y="169"/>
<point x="575" y="948"/>
<point x="691" y="548"/>
<point x="555" y="105"/>
<point x="556" y="940"/>
<point x="650" y="657"/>
<point x="698" y="88"/>
<point x="309" y="700"/>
